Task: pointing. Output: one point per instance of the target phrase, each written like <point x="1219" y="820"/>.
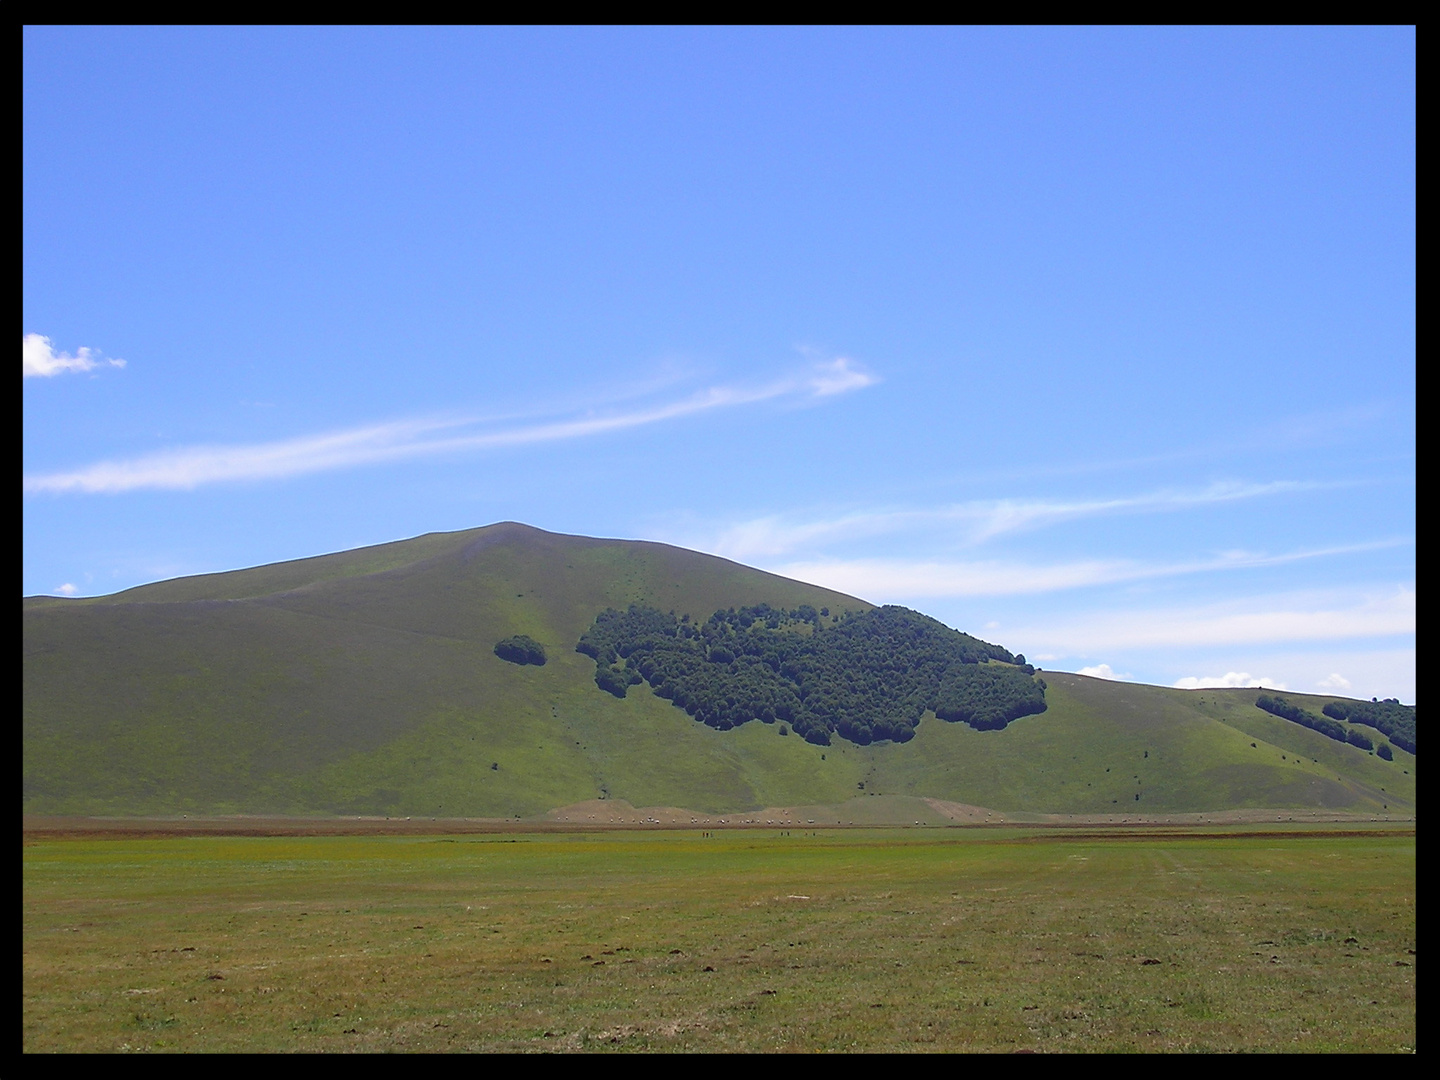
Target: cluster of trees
<point x="520" y="649"/>
<point x="988" y="696"/>
<point x="1393" y="720"/>
<point x="1290" y="711"/>
<point x="864" y="677"/>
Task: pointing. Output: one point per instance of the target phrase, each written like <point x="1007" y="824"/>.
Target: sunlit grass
<point x="842" y="940"/>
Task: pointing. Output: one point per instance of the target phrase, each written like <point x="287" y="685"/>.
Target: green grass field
<point x="839" y="940"/>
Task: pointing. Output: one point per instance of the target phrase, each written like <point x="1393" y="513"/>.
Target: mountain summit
<point x="440" y="676"/>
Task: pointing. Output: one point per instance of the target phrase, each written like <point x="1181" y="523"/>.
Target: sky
<point x="1096" y="343"/>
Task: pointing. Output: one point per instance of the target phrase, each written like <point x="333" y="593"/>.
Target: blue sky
<point x="1099" y="344"/>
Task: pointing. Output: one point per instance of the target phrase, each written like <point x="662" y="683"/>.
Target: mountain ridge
<point x="365" y="681"/>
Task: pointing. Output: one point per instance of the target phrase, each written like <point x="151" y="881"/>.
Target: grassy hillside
<point x="365" y="682"/>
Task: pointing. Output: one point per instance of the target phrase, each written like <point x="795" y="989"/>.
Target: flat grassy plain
<point x="1295" y="938"/>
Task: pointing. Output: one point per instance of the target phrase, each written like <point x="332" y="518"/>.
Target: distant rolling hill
<point x="366" y="682"/>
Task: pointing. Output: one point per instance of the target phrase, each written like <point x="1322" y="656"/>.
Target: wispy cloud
<point x="970" y="522"/>
<point x="1008" y="516"/>
<point x="1288" y="431"/>
<point x="195" y="466"/>
<point x="1102" y="671"/>
<point x="838" y="376"/>
<point x="884" y="580"/>
<point x="1258" y="621"/>
<point x="40" y="360"/>
<point x="68" y="589"/>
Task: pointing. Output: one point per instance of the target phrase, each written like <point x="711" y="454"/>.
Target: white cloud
<point x="978" y="521"/>
<point x="770" y="536"/>
<point x="67" y="590"/>
<point x="838" y="377"/>
<point x="194" y="466"/>
<point x="1230" y="678"/>
<point x="885" y="580"/>
<point x="1334" y="681"/>
<point x="1382" y="672"/>
<point x="1259" y="620"/>
<point x="1101" y="671"/>
<point x="39" y="359"/>
<point x="1012" y="515"/>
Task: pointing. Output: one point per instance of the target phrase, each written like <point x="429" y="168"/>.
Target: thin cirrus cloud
<point x="897" y="579"/>
<point x="1258" y="621"/>
<point x="40" y="360"/>
<point x="838" y="376"/>
<point x="191" y="467"/>
<point x="978" y="521"/>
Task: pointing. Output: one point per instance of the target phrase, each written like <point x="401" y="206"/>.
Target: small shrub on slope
<point x="520" y="649"/>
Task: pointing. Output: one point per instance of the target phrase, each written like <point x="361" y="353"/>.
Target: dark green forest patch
<point x="1329" y="728"/>
<point x="1389" y="717"/>
<point x="866" y="676"/>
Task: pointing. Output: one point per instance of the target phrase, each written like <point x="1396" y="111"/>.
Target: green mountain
<point x="368" y="682"/>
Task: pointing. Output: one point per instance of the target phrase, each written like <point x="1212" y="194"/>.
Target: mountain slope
<point x="275" y="687"/>
<point x="366" y="682"/>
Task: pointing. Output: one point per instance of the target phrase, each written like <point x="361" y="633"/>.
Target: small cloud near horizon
<point x="1229" y="679"/>
<point x="67" y="589"/>
<point x="1103" y="671"/>
<point x="1334" y="681"/>
<point x="40" y="360"/>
